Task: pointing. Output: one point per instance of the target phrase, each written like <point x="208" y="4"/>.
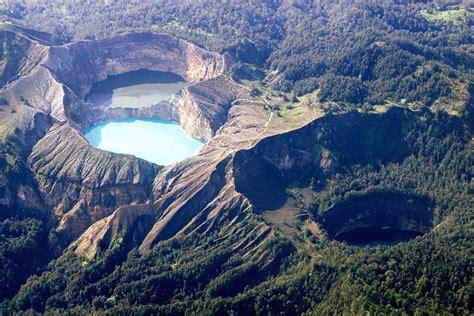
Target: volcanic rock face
<point x="80" y="184"/>
<point x="97" y="198"/>
<point x="223" y="183"/>
<point x="197" y="195"/>
<point x="317" y="150"/>
<point x="103" y="197"/>
<point x="81" y="64"/>
<point x="19" y="54"/>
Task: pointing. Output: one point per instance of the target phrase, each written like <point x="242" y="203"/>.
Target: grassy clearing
<point x="288" y="111"/>
<point x="7" y="127"/>
<point x="293" y="113"/>
<point x="304" y="109"/>
<point x="455" y="16"/>
<point x="288" y="219"/>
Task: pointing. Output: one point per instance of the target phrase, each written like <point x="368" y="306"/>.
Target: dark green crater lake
<point x="159" y="141"/>
<point x="136" y="89"/>
<point x="376" y="235"/>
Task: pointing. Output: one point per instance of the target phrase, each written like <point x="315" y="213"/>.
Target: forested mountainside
<point x="321" y="117"/>
<point x="353" y="51"/>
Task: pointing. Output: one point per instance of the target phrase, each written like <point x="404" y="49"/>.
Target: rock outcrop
<point x="98" y="199"/>
<point x="78" y="184"/>
<point x="20" y="52"/>
<point x="83" y="184"/>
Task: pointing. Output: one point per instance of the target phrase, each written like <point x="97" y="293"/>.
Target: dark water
<point x="376" y="235"/>
<point x="135" y="89"/>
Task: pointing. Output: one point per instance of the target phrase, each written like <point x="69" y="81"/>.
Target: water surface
<point x="376" y="235"/>
<point x="136" y="89"/>
<point x="158" y="141"/>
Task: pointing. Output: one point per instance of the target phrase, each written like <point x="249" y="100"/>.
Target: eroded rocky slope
<point x="241" y="185"/>
<point x="78" y="184"/>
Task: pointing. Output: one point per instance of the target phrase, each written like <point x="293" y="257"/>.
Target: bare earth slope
<point x="79" y="184"/>
<point x="257" y="208"/>
<point x="98" y="196"/>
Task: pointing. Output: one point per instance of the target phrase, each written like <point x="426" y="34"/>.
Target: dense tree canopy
<point x="349" y="55"/>
<point x="354" y="51"/>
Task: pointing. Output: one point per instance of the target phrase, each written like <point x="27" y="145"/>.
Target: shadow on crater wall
<point x="259" y="180"/>
<point x="378" y="217"/>
<point x="319" y="150"/>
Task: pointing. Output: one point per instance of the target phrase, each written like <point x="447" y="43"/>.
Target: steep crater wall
<point x="79" y="184"/>
<point x="201" y="108"/>
<point x="318" y="151"/>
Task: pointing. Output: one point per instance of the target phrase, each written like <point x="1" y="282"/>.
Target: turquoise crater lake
<point x="161" y="142"/>
<point x="158" y="141"/>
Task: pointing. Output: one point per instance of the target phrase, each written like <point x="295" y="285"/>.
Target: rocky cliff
<point x="76" y="183"/>
<point x="97" y="199"/>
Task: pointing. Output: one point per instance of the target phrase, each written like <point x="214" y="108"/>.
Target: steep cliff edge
<point x="253" y="154"/>
<point x="20" y="52"/>
<point x="21" y="124"/>
<point x="79" y="65"/>
<point x="83" y="184"/>
<point x="77" y="184"/>
<point x="199" y="195"/>
<point x="252" y="172"/>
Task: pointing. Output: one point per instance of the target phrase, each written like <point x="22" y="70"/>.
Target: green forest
<point x="414" y="57"/>
<point x="354" y="51"/>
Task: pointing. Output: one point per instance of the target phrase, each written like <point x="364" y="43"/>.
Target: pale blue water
<point x="161" y="142"/>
